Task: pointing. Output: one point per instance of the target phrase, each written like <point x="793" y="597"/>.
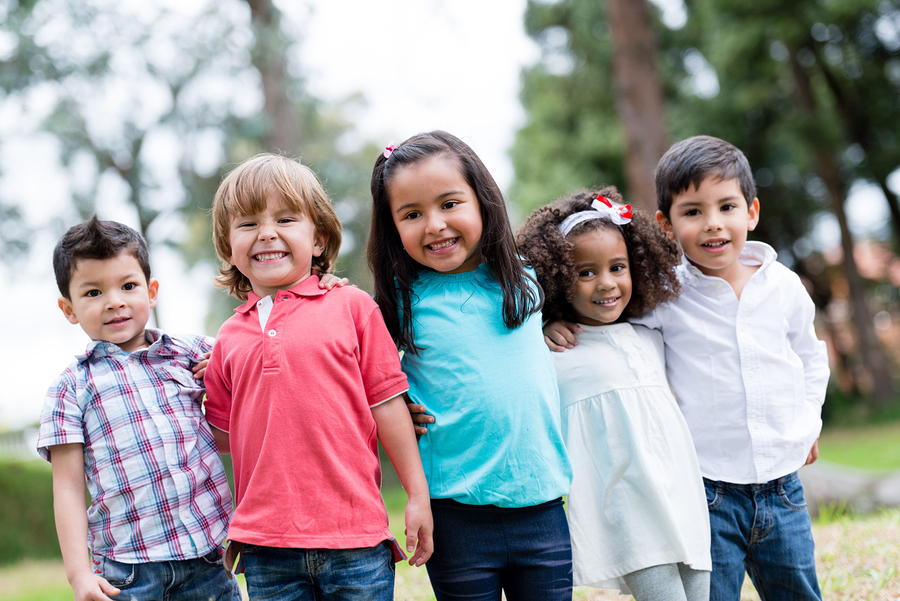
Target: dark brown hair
<point x="99" y="240"/>
<point x="652" y="257"/>
<point x="246" y="191"/>
<point x="394" y="270"/>
<point x="689" y="162"/>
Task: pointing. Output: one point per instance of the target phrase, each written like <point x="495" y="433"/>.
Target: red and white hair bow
<point x="601" y="208"/>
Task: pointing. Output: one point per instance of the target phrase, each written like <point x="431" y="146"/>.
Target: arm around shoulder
<point x="71" y="523"/>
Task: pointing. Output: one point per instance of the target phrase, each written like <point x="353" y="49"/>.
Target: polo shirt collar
<point x="308" y="287"/>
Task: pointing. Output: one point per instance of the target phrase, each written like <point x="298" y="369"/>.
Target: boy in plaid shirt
<point x="127" y="415"/>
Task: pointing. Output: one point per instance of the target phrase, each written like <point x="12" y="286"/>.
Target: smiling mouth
<point x="714" y="245"/>
<point x="263" y="257"/>
<point x="607" y="301"/>
<point x="442" y="245"/>
<point x="117" y="321"/>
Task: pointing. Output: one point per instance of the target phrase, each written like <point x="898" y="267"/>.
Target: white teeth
<point x="609" y="301"/>
<point x="443" y="244"/>
<point x="715" y="244"/>
<point x="269" y="256"/>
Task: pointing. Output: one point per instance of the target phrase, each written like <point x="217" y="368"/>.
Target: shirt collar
<point x="308" y="287"/>
<point x="160" y="344"/>
<point x="758" y="253"/>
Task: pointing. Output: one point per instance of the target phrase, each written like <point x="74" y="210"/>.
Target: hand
<point x="200" y="369"/>
<point x="813" y="453"/>
<point x="419" y="530"/>
<point x="419" y="416"/>
<point x="560" y="335"/>
<point x="329" y="281"/>
<point x="88" y="586"/>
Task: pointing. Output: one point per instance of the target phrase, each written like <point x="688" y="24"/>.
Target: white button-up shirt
<point x="750" y="374"/>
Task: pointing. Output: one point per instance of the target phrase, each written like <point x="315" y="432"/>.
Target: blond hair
<point x="246" y="191"/>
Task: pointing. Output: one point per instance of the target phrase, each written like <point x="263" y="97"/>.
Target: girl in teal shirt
<point x="459" y="303"/>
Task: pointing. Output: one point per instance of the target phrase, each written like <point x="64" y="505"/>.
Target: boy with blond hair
<point x="302" y="384"/>
<point x="747" y="369"/>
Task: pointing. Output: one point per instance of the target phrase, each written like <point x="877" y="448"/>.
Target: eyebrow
<point x="438" y="197"/>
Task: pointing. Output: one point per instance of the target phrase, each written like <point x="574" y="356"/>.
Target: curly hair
<point x="652" y="257"/>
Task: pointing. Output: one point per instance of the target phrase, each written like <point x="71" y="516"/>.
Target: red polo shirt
<point x="296" y="401"/>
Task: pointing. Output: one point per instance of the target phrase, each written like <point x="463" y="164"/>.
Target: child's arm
<point x="560" y="335"/>
<point x="71" y="523"/>
<point x="396" y="435"/>
<point x="329" y="280"/>
<point x="223" y="444"/>
<point x="419" y="416"/>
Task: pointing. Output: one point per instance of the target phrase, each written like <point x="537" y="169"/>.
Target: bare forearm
<point x="396" y="434"/>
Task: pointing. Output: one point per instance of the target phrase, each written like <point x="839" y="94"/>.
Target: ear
<point x="753" y="210"/>
<point x="319" y="244"/>
<point x="153" y="290"/>
<point x="665" y="226"/>
<point x="65" y="305"/>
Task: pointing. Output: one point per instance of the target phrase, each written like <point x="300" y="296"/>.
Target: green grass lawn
<point x="871" y="446"/>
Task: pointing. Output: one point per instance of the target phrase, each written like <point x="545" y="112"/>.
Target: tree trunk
<point x="283" y="132"/>
<point x="874" y="360"/>
<point x="639" y="96"/>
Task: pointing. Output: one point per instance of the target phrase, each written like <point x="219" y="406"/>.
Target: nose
<point x="435" y="222"/>
<point x="267" y="231"/>
<point x="114" y="300"/>
<point x="605" y="281"/>
<point x="713" y="222"/>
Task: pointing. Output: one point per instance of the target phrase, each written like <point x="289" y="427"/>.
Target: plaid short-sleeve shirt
<point x="158" y="489"/>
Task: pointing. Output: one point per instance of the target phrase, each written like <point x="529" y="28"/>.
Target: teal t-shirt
<point x="492" y="391"/>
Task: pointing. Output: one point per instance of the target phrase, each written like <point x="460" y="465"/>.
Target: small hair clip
<point x="389" y="150"/>
<point x="601" y="208"/>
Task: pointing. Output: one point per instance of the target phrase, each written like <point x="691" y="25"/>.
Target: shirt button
<point x="271" y="332"/>
<point x="743" y="328"/>
<point x="750" y="375"/>
<point x="718" y="284"/>
<point x="757" y="425"/>
<point x="694" y="281"/>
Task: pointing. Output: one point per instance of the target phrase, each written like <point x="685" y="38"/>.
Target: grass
<point x="874" y="446"/>
<point x="856" y="558"/>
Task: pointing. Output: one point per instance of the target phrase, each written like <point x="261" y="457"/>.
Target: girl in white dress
<point x="637" y="507"/>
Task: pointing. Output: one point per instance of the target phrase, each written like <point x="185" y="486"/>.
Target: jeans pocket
<point x="791" y="493"/>
<point x="213" y="558"/>
<point x="120" y="575"/>
<point x="713" y="497"/>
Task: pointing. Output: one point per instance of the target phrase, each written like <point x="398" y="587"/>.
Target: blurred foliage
<point x="157" y="105"/>
<point x="26" y="504"/>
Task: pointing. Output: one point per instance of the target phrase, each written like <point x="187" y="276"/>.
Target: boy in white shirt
<point x="746" y="367"/>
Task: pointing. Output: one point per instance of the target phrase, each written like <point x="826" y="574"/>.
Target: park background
<point x="135" y="111"/>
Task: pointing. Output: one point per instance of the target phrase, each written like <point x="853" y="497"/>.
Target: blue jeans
<point x="188" y="580"/>
<point x="764" y="529"/>
<point x="480" y="550"/>
<point x="273" y="573"/>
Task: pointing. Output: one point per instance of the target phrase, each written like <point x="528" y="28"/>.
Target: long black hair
<point x="394" y="270"/>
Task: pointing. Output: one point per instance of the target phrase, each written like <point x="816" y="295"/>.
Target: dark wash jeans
<point x="363" y="574"/>
<point x="764" y="529"/>
<point x="480" y="550"/>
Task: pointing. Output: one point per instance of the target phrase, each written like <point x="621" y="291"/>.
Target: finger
<point x="552" y="345"/>
<point x="422" y="418"/>
<point x="107" y="588"/>
<point x="421" y="430"/>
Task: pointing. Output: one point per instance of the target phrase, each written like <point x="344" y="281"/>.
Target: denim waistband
<point x="776" y="483"/>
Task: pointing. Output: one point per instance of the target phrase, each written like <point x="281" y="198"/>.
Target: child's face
<point x="274" y="249"/>
<point x="111" y="300"/>
<point x="603" y="288"/>
<point x="711" y="224"/>
<point x="437" y="215"/>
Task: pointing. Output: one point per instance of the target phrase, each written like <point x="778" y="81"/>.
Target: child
<point x="127" y="415"/>
<point x="458" y="302"/>
<point x="637" y="511"/>
<point x="302" y="380"/>
<point x="747" y="369"/>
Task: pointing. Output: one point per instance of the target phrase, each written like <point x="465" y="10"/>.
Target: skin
<point x="274" y="248"/>
<point x="437" y="215"/>
<point x="111" y="300"/>
<point x="603" y="288"/>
